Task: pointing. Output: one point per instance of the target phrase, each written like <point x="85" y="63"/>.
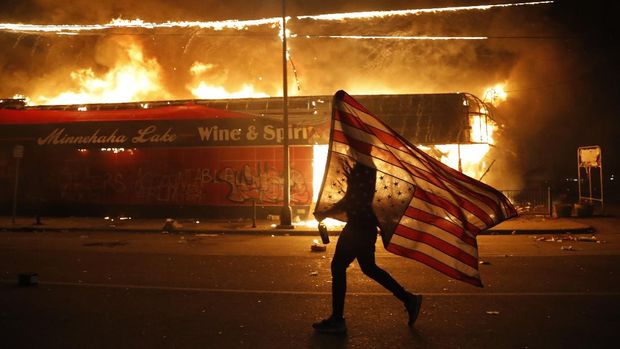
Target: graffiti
<point x="209" y="177"/>
<point x="265" y="185"/>
<point x="185" y="186"/>
<point x="83" y="185"/>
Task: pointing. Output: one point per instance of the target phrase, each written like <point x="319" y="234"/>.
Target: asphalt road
<point x="103" y="290"/>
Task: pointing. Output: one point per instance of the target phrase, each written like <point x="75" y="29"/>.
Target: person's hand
<point x="319" y="216"/>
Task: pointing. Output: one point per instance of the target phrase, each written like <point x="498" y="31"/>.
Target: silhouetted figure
<point x="357" y="240"/>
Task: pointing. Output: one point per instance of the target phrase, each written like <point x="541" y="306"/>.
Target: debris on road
<point x="568" y="237"/>
<point x="492" y="312"/>
<point x="314" y="273"/>
<point x="484" y="262"/>
<point x="567" y="248"/>
<point x="317" y="247"/>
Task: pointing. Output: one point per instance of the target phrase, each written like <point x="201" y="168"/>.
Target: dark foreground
<point x="102" y="290"/>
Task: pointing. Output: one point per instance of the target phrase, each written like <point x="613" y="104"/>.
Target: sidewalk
<point x="518" y="225"/>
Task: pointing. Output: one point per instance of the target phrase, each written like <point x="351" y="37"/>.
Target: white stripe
<point x="380" y="165"/>
<point x="441" y="234"/>
<point x="359" y="135"/>
<point x="436" y="254"/>
<point x="366" y="118"/>
<point x="462" y="187"/>
<point x="439" y="211"/>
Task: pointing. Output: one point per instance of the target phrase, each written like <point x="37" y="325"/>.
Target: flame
<point x="203" y="90"/>
<point x="384" y="37"/>
<point x="233" y="24"/>
<point x="132" y="78"/>
<point x="119" y="23"/>
<point x="495" y="95"/>
<point x="382" y="14"/>
<point x="468" y="158"/>
<point x="482" y="128"/>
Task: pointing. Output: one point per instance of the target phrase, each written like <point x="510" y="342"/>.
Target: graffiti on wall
<point x="210" y="177"/>
<point x="264" y="185"/>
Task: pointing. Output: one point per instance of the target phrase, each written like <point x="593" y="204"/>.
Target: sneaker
<point x="331" y="325"/>
<point x="412" y="306"/>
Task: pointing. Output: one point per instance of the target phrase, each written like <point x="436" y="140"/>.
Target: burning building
<point x="208" y="158"/>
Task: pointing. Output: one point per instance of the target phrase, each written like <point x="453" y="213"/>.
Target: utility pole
<point x="286" y="213"/>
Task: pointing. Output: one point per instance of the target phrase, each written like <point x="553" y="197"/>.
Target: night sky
<point x="559" y="61"/>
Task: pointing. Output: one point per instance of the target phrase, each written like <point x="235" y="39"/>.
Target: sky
<point x="558" y="61"/>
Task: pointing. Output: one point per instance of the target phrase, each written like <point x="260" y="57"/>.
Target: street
<point x="139" y="290"/>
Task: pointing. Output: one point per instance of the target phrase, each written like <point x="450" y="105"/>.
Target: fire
<point x="495" y="95"/>
<point x="132" y="78"/>
<point x="203" y="90"/>
<point x="381" y="14"/>
<point x="232" y="24"/>
<point x="468" y="158"/>
<point x="119" y="23"/>
<point x="374" y="37"/>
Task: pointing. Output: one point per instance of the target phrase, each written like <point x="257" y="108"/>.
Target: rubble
<point x="568" y="237"/>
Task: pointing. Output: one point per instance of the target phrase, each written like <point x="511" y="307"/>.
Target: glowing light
<point x="133" y="78"/>
<point x="319" y="161"/>
<point x="329" y="223"/>
<point x="371" y="37"/>
<point x="203" y="90"/>
<point x="482" y="129"/>
<point x="495" y="95"/>
<point x="380" y="14"/>
<point x="117" y="150"/>
<point x="119" y="23"/>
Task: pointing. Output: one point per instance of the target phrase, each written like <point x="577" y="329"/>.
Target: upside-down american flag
<point x="426" y="210"/>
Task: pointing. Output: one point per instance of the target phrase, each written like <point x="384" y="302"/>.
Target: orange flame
<point x="132" y="78"/>
<point x="204" y="90"/>
<point x="495" y="95"/>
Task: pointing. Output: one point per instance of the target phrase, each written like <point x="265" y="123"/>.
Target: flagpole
<point x="286" y="213"/>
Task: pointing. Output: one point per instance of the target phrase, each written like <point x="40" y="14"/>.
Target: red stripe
<point x="462" y="202"/>
<point x="440" y="223"/>
<point x="448" y="206"/>
<point x="351" y="120"/>
<point x="366" y="148"/>
<point x="442" y="168"/>
<point x="342" y="96"/>
<point x="437" y="243"/>
<point x="386" y="138"/>
<point x="433" y="263"/>
<point x="425" y="175"/>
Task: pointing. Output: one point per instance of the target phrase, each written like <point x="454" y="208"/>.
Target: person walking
<point x="357" y="241"/>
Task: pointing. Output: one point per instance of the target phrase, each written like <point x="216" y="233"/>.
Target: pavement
<point x="525" y="224"/>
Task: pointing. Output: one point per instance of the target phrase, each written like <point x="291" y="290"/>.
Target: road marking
<point x="318" y="293"/>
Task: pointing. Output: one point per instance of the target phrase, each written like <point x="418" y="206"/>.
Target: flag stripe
<point x="367" y="148"/>
<point x="433" y="263"/>
<point x="372" y="162"/>
<point x="431" y="251"/>
<point x="410" y="223"/>
<point x="439" y="222"/>
<point x="445" y="204"/>
<point x="438" y="244"/>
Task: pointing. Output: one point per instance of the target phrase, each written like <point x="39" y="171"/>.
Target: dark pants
<point x="358" y="242"/>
